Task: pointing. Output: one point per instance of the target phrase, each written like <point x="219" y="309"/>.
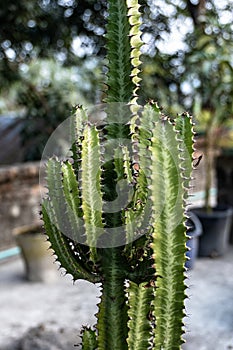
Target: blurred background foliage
<point x="51" y="57"/>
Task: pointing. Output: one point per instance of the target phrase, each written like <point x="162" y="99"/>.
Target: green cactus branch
<point x="60" y="244"/>
<point x="185" y="127"/>
<point x="123" y="50"/>
<point x="89" y="341"/>
<point x="57" y="195"/>
<point x="140" y="325"/>
<point x="169" y="237"/>
<point x="91" y="189"/>
<point x="78" y="119"/>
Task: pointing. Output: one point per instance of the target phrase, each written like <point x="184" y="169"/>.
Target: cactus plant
<point x="135" y="248"/>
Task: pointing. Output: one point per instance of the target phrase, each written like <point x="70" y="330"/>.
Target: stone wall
<point x="19" y="199"/>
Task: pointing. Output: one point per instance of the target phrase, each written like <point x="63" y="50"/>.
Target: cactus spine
<point x="142" y="278"/>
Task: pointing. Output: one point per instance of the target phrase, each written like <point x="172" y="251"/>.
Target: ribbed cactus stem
<point x="140" y="325"/>
<point x="112" y="316"/>
<point x="123" y="50"/>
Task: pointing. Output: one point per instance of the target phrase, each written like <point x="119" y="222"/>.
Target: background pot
<point x="224" y="172"/>
<point x="38" y="258"/>
<point x="216" y="230"/>
<point x="194" y="231"/>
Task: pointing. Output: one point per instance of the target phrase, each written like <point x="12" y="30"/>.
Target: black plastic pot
<point x="216" y="230"/>
<point x="194" y="231"/>
<point x="224" y="173"/>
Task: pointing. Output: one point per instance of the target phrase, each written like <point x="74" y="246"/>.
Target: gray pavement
<point x="210" y="304"/>
<point x="63" y="307"/>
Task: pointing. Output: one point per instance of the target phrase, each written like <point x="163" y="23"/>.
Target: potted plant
<point x="216" y="220"/>
<point x="213" y="110"/>
<point x="38" y="259"/>
<point x="224" y="170"/>
<point x="115" y="210"/>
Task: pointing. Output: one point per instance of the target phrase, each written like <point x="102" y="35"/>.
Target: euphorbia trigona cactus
<point x="115" y="213"/>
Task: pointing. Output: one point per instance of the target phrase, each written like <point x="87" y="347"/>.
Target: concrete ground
<point x="210" y="305"/>
<point x="62" y="307"/>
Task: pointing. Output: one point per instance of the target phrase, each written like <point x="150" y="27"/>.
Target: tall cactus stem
<point x="141" y="160"/>
<point x="112" y="316"/>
